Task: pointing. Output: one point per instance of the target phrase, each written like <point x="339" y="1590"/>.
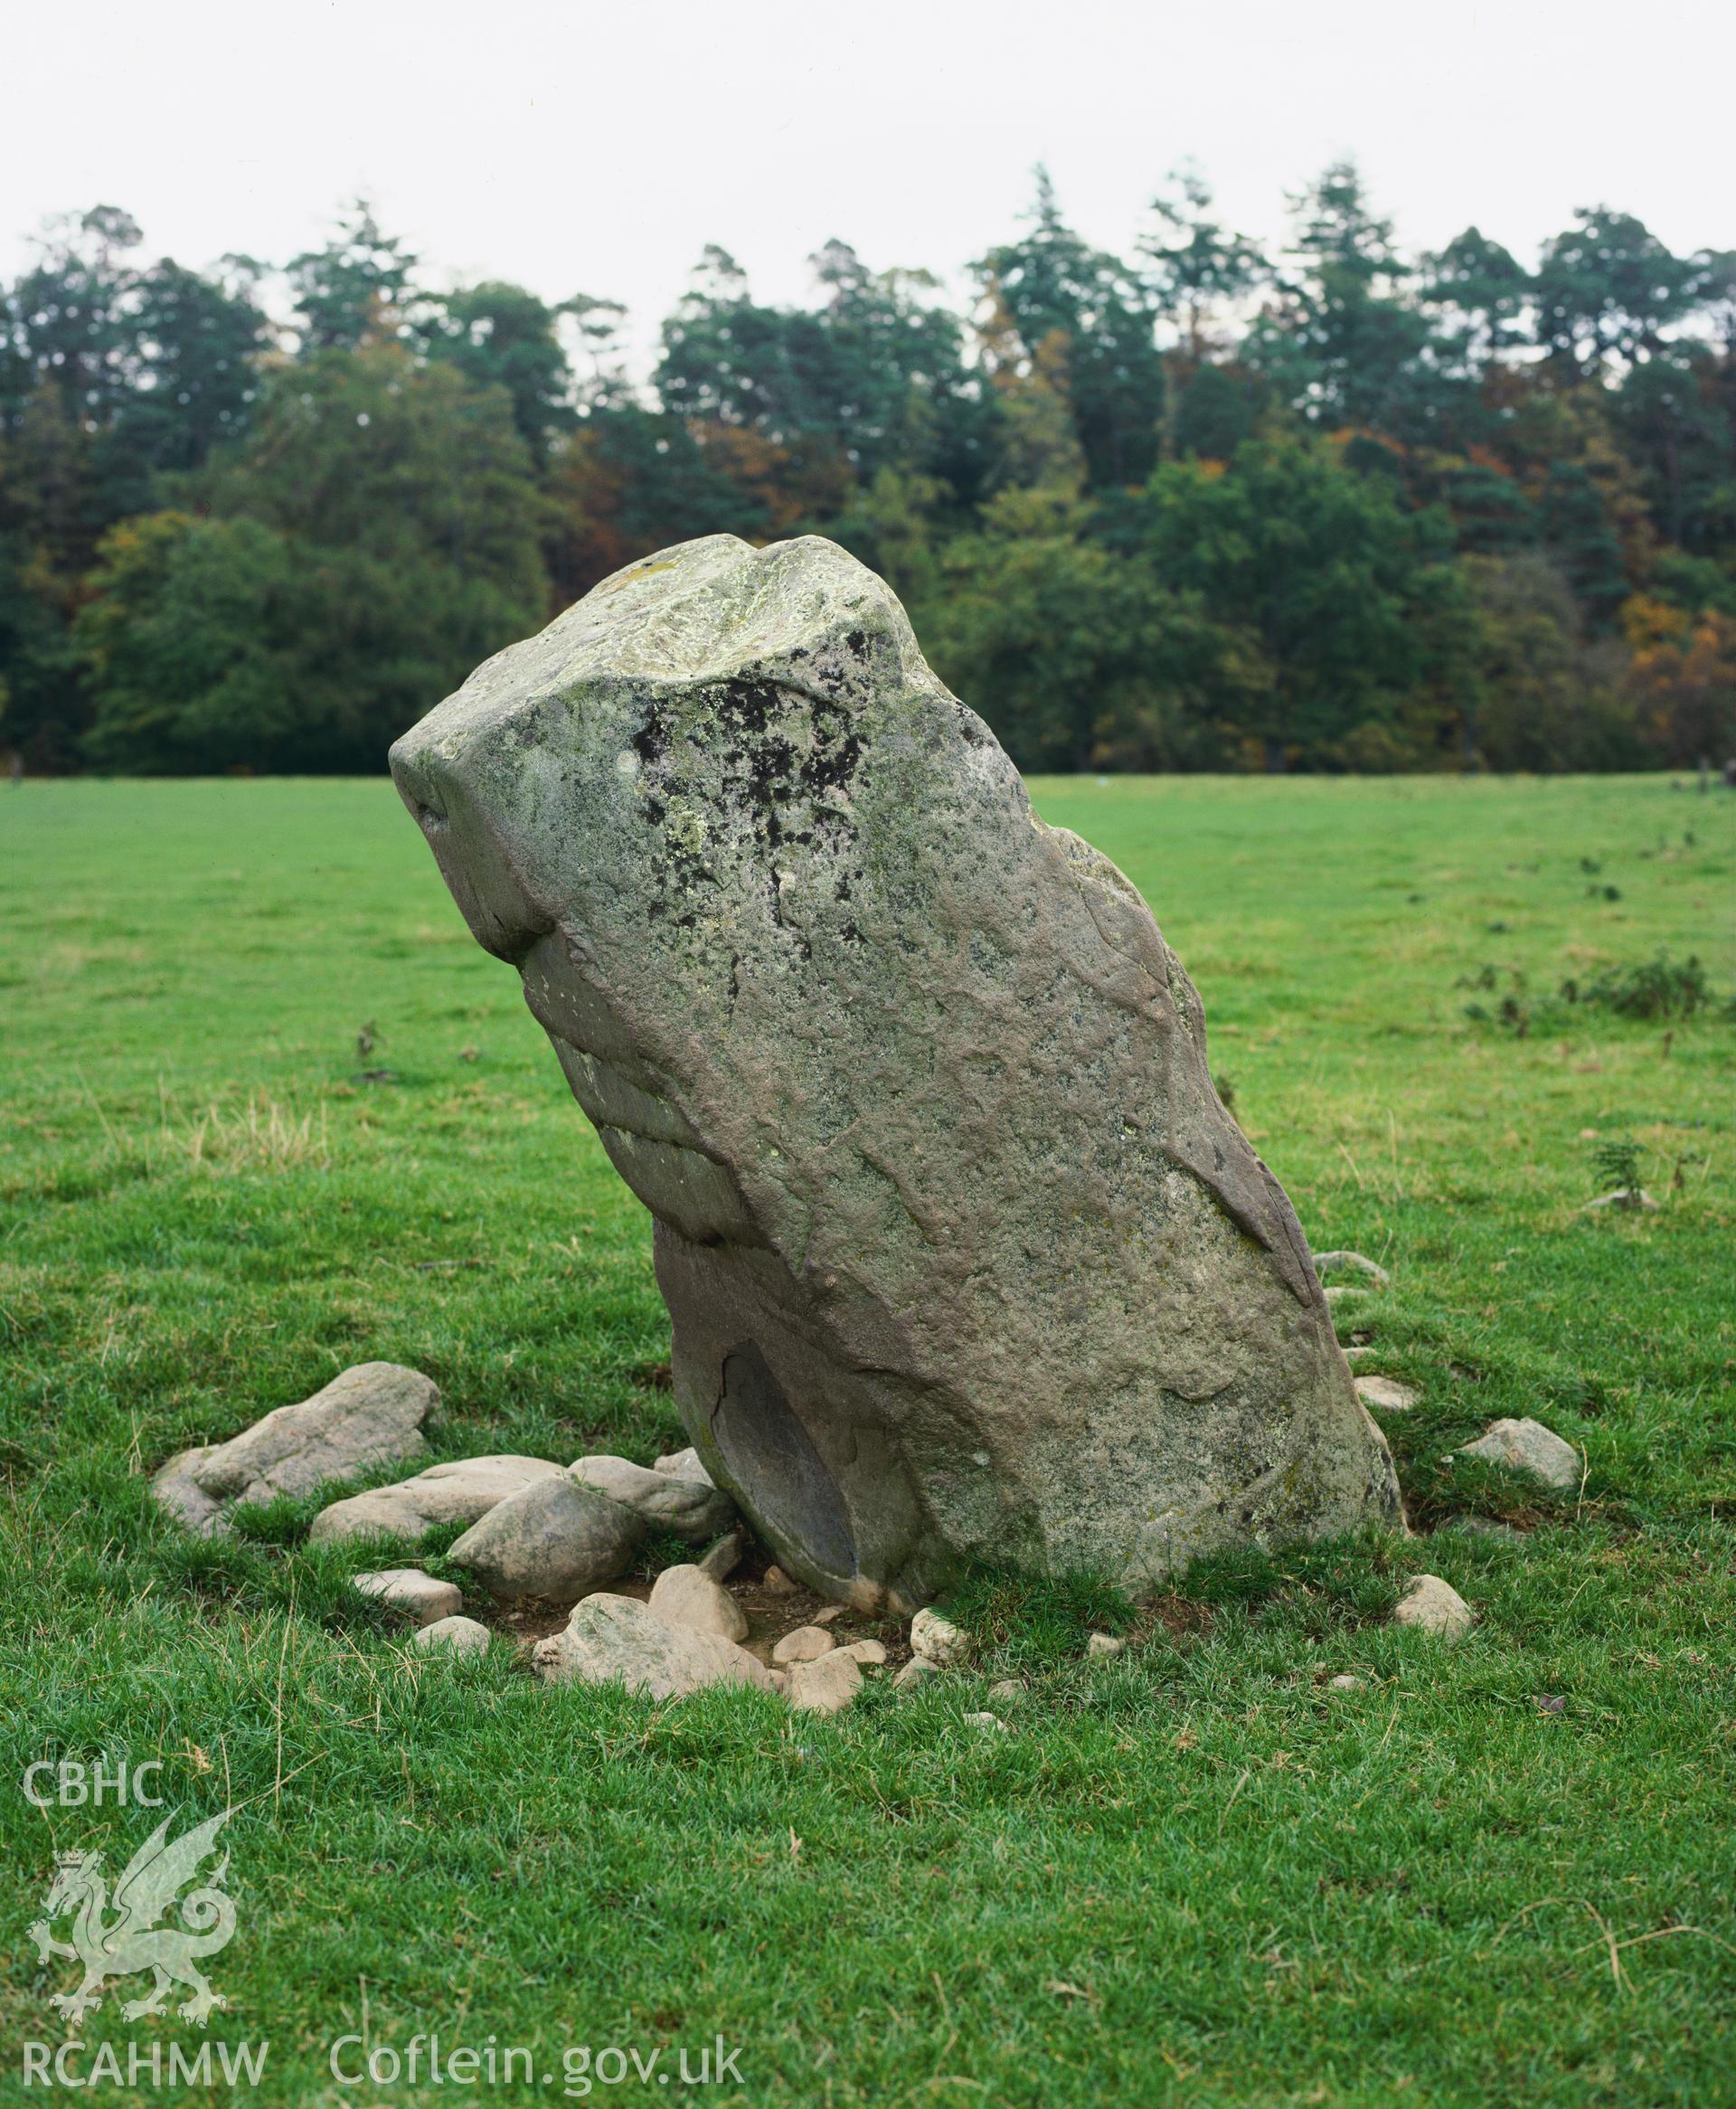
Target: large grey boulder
<point x="367" y="1416"/>
<point x="554" y="1539"/>
<point x="963" y="1255"/>
<point x="456" y="1493"/>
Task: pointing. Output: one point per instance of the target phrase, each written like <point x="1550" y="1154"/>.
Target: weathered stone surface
<point x="805" y="1644"/>
<point x="722" y="1557"/>
<point x="408" y="1589"/>
<point x="1527" y="1446"/>
<point x="554" y="1539"/>
<point x="609" y="1637"/>
<point x="453" y="1636"/>
<point x="365" y="1417"/>
<point x="458" y="1492"/>
<point x="963" y="1255"/>
<point x="869" y="1652"/>
<point x="937" y="1639"/>
<point x="776" y="1582"/>
<point x="826" y="1685"/>
<point x="687" y="1596"/>
<point x="692" y="1508"/>
<point x="1386" y="1395"/>
<point x="683" y="1464"/>
<point x="1103" y="1644"/>
<point x="176" y="1488"/>
<point x="1434" y="1606"/>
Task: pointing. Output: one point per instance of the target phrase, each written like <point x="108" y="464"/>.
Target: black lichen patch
<point x="769" y="769"/>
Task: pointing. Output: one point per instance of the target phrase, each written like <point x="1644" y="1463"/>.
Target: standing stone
<point x="964" y="1256"/>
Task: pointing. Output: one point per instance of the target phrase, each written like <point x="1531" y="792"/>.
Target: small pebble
<point x="1345" y="1681"/>
<point x="778" y="1584"/>
<point x="983" y="1721"/>
<point x="1104" y="1644"/>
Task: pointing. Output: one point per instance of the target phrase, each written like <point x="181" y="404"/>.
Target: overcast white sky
<point x="582" y="147"/>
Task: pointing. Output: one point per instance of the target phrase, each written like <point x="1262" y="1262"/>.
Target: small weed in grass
<point x="1659" y="988"/>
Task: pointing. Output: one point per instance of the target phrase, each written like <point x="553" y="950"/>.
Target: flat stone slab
<point x="1386" y="1394"/>
<point x="964" y="1256"/>
<point x="805" y="1644"/>
<point x="456" y="1493"/>
<point x="610" y="1637"/>
<point x="1527" y="1446"/>
<point x="367" y="1416"/>
<point x="408" y="1589"/>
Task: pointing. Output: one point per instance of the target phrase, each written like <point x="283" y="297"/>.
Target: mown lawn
<point x="1195" y="1873"/>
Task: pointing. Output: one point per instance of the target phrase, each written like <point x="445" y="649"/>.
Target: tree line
<point x="1207" y="506"/>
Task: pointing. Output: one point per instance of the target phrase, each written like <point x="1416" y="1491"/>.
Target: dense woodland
<point x="1201" y="507"/>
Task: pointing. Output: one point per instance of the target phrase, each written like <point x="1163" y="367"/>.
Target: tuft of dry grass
<point x="261" y="1135"/>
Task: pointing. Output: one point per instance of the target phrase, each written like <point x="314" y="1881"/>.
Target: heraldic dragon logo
<point x="118" y="1936"/>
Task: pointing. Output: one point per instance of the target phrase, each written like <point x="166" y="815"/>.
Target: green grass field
<point x="1194" y="1873"/>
